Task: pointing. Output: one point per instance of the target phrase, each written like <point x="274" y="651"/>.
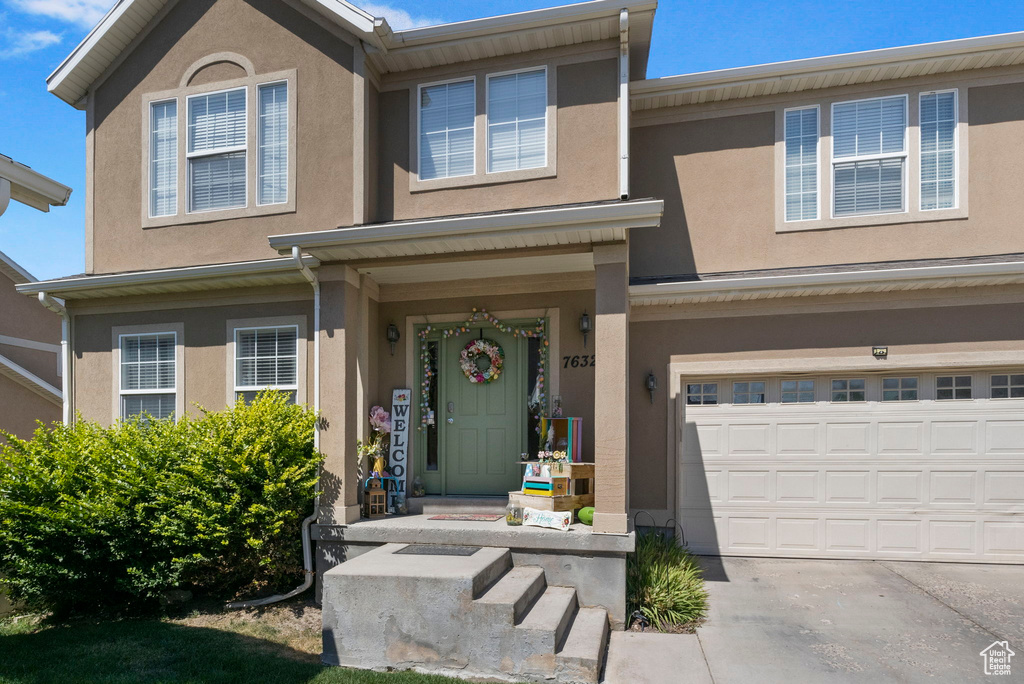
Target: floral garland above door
<point x="539" y="331"/>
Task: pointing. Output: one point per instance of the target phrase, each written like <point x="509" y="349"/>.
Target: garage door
<point x="925" y="466"/>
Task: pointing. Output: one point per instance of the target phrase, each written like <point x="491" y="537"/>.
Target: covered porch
<point x="540" y="267"/>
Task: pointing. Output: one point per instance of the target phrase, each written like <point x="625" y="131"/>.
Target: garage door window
<point x="899" y="389"/>
<point x="797" y="391"/>
<point x="953" y="387"/>
<point x="748" y="392"/>
<point x="1008" y="386"/>
<point x="849" y="389"/>
<point x="702" y="394"/>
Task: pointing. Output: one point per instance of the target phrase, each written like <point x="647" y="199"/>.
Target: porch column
<point x="611" y="393"/>
<point x="341" y="335"/>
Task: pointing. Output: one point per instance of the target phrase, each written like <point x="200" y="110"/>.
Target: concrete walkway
<point x="790" y="621"/>
<point x="649" y="657"/>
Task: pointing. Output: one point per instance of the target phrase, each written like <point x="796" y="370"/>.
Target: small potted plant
<point x="375" y="448"/>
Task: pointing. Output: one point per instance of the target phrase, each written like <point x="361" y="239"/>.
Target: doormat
<point x="475" y="517"/>
<point x="438" y="550"/>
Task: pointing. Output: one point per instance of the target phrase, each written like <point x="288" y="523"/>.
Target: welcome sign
<point x="398" y="460"/>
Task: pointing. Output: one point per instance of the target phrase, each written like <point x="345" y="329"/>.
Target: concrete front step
<point x="551" y="614"/>
<point x="582" y="655"/>
<point x="437" y="505"/>
<point x="514" y="593"/>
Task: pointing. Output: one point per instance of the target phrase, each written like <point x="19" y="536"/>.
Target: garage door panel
<point x="919" y="480"/>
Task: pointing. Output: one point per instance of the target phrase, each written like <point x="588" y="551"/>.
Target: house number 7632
<point x="577" y="361"/>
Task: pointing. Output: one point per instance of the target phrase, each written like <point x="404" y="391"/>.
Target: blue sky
<point x="39" y="130"/>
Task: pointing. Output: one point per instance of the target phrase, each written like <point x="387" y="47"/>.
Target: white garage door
<point x="925" y="466"/>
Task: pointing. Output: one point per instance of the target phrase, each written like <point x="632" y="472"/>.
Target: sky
<point x="43" y="132"/>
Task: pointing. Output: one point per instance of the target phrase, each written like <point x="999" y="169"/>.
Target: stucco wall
<point x="25" y="318"/>
<point x="206" y="360"/>
<point x="20" y="408"/>
<point x="274" y="37"/>
<point x="714" y="168"/>
<point x="587" y="167"/>
<point x="655" y="344"/>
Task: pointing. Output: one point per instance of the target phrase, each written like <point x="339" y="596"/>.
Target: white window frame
<point x="798" y="391"/>
<point x="419" y="126"/>
<point x="119" y="332"/>
<point x="900" y="389"/>
<point x="848" y="380"/>
<point x="487" y="118"/>
<point x="764" y="393"/>
<point x="956" y="149"/>
<point x="817" y="163"/>
<point x="259" y="141"/>
<point x="904" y="155"/>
<point x="150" y="158"/>
<point x="702" y="394"/>
<point x="216" y="152"/>
<point x="1010" y="385"/>
<point x="293" y="387"/>
<point x="231" y="364"/>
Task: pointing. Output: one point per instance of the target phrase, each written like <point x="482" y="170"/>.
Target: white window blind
<point x="802" y="164"/>
<point x="216" y="150"/>
<point x="938" y="150"/>
<point x="266" y="358"/>
<point x="273" y="143"/>
<point x="869" y="156"/>
<point x="148" y="374"/>
<point x="163" y="158"/>
<point x="517" y="121"/>
<point x="446" y="116"/>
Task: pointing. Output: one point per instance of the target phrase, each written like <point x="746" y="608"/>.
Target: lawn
<point x="278" y="644"/>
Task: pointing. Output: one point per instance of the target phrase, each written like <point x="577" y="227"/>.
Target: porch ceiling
<point x="541" y="227"/>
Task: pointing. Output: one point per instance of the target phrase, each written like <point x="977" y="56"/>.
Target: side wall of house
<point x="20" y="408"/>
<point x="273" y="36"/>
<point x="715" y="167"/>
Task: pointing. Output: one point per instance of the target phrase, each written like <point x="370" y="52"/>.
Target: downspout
<point x="624" y="104"/>
<point x="307" y="544"/>
<point x="57" y="306"/>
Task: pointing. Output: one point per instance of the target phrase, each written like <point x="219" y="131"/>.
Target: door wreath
<point x="481" y="361"/>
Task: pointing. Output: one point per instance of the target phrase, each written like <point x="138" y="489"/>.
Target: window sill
<point x="868" y="220"/>
<point x="218" y="215"/>
<point x="479" y="179"/>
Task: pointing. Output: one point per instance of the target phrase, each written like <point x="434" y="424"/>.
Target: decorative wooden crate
<point x="581" y="489"/>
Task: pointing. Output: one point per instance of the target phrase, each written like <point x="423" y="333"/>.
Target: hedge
<point x="97" y="518"/>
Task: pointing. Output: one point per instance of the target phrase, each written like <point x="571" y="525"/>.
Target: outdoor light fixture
<point x="652" y="384"/>
<point x="393" y="336"/>
<point x="585" y="326"/>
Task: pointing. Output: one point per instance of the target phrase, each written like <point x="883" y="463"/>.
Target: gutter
<point x="57" y="306"/>
<point x="309" y="574"/>
<point x="624" y="104"/>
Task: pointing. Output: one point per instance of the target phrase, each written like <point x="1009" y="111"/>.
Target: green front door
<point x="483" y="425"/>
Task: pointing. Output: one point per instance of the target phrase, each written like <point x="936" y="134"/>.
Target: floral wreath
<point x="473" y="351"/>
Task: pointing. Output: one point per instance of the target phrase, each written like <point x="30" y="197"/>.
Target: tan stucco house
<point x="805" y="280"/>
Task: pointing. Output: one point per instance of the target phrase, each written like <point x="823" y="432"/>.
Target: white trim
<point x="121" y="332"/>
<point x="31" y="187"/>
<point x="170" y="276"/>
<point x="754" y="287"/>
<point x="216" y="152"/>
<point x="29" y="344"/>
<point x="956" y="149"/>
<point x="235" y="329"/>
<point x="287" y="141"/>
<point x="14" y="270"/>
<point x="817" y="162"/>
<point x="149" y="156"/>
<point x="30" y="380"/>
<point x="487" y="118"/>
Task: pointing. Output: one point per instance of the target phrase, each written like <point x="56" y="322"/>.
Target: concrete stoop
<point x="468" y="616"/>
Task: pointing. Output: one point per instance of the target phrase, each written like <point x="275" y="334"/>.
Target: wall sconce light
<point x="652" y="384"/>
<point x="393" y="336"/>
<point x="585" y="327"/>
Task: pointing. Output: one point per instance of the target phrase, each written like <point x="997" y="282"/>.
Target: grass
<point x="274" y="645"/>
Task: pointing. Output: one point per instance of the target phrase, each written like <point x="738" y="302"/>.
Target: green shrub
<point x="108" y="518"/>
<point x="664" y="583"/>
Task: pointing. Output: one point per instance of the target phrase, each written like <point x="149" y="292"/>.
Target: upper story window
<point x="220" y="152"/>
<point x="517" y="120"/>
<point x="447" y="136"/>
<point x="869" y="155"/>
<point x="216" y="152"/>
<point x="801" y="164"/>
<point x="938" y="150"/>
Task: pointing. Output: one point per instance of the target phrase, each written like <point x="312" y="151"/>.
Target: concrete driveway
<point x="796" y="621"/>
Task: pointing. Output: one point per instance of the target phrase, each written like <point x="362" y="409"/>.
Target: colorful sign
<point x="399" y="462"/>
